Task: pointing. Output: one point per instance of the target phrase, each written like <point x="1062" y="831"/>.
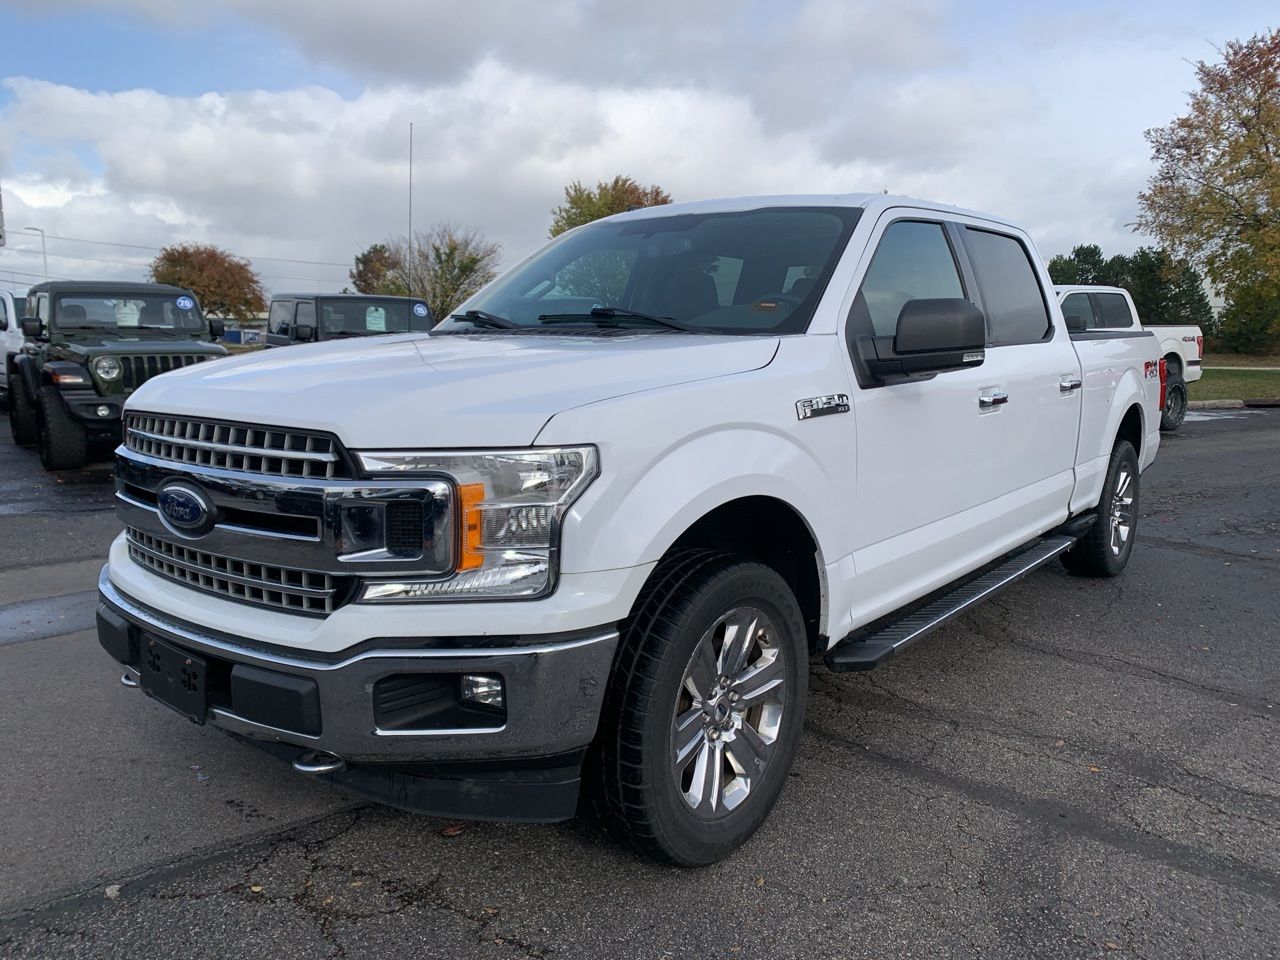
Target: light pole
<point x="44" y="250"/>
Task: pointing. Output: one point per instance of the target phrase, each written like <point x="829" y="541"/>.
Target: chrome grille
<point x="249" y="449"/>
<point x="139" y="369"/>
<point x="298" y="591"/>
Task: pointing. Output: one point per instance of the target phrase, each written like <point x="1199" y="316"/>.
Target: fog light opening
<point x="104" y="411"/>
<point x="483" y="689"/>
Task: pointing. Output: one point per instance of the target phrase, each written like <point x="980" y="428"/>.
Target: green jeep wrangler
<point x="88" y="346"/>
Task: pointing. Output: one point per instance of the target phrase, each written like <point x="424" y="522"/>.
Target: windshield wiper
<point x="481" y="318"/>
<point x="619" y="313"/>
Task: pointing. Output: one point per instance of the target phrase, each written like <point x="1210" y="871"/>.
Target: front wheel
<point x="1175" y="404"/>
<point x="22" y="417"/>
<point x="62" y="439"/>
<point x="1104" y="551"/>
<point x="704" y="715"/>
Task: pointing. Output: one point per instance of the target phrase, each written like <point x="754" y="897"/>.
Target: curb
<point x="1214" y="404"/>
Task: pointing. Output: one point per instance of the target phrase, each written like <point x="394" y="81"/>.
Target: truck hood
<point x="460" y="390"/>
<point x="139" y="346"/>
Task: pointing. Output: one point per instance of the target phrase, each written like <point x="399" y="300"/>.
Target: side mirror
<point x="304" y="332"/>
<point x="32" y="327"/>
<point x="932" y="336"/>
<point x="217" y="329"/>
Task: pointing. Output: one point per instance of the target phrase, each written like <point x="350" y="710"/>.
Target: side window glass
<point x="1113" y="310"/>
<point x="1078" y="312"/>
<point x="278" y="318"/>
<point x="42" y="307"/>
<point x="1015" y="305"/>
<point x="306" y="314"/>
<point x="912" y="262"/>
<point x="4" y="315"/>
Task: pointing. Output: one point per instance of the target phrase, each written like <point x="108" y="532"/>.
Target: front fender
<point x="638" y="516"/>
<point x="27" y="376"/>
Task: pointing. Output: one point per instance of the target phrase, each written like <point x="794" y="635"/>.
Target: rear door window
<point x="1011" y="294"/>
<point x="912" y="262"/>
<point x="1112" y="310"/>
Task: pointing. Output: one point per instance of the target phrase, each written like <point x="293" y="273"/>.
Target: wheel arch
<point x="1131" y="428"/>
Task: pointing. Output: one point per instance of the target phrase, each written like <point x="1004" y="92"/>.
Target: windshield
<point x="750" y="272"/>
<point x="176" y="313"/>
<point x="362" y="317"/>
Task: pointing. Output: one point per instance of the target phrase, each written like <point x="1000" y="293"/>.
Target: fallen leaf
<point x="1112" y="946"/>
<point x="759" y="881"/>
<point x="490" y="910"/>
<point x="453" y="829"/>
<point x="255" y="887"/>
<point x="1095" y="769"/>
<point x="112" y="891"/>
<point x="1059" y="743"/>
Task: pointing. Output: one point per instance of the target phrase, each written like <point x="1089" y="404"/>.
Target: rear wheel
<point x="706" y="708"/>
<point x="22" y="417"/>
<point x="1175" y="403"/>
<point x="61" y="438"/>
<point x="1104" y="550"/>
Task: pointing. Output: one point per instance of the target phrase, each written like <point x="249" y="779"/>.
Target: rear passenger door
<point x="1041" y="421"/>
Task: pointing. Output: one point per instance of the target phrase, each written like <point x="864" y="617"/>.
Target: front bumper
<point x="85" y="404"/>
<point x="298" y="703"/>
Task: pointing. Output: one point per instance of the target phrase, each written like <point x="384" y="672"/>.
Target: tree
<point x="379" y="270"/>
<point x="1164" y="290"/>
<point x="582" y="204"/>
<point x="1215" y="196"/>
<point x="225" y="285"/>
<point x="446" y="265"/>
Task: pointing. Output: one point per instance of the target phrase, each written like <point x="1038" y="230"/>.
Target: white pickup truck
<point x="1111" y="311"/>
<point x="592" y="527"/>
<point x="11" y="338"/>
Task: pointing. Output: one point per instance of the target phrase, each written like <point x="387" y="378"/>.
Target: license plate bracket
<point x="175" y="677"/>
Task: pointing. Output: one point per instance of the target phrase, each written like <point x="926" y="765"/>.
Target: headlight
<point x="108" y="368"/>
<point x="509" y="507"/>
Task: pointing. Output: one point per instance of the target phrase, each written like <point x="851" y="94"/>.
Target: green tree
<point x="1215" y="196"/>
<point x="583" y="204"/>
<point x="379" y="270"/>
<point x="225" y="285"/>
<point x="1164" y="290"/>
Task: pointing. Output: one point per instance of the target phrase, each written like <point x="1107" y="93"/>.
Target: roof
<point x="345" y="296"/>
<point x="107" y="286"/>
<point x="867" y="201"/>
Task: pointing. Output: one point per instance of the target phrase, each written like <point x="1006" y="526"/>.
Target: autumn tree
<point x="379" y="270"/>
<point x="225" y="285"/>
<point x="445" y="265"/>
<point x="583" y="204"/>
<point x="1215" y="195"/>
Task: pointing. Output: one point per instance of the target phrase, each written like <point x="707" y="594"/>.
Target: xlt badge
<point x="821" y="406"/>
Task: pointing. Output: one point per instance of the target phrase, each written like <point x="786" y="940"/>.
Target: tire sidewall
<point x="690" y="839"/>
<point x="1171" y="417"/>
<point x="1123" y="455"/>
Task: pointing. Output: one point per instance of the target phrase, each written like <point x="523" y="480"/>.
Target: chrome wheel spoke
<point x="739" y="636"/>
<point x="703" y="672"/>
<point x="761" y="681"/>
<point x="748" y="752"/>
<point x="688" y="736"/>
<point x="704" y="790"/>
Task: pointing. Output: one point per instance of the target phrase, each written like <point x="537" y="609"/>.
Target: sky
<point x="279" y="129"/>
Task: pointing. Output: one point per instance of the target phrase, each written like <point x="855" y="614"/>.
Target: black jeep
<point x="88" y="346"/>
<point x="304" y="317"/>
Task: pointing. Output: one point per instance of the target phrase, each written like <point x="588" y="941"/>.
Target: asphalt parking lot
<point x="1077" y="769"/>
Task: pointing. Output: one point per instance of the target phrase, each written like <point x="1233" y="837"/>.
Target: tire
<point x="1097" y="554"/>
<point x="61" y="439"/>
<point x="697" y="807"/>
<point x="1175" y="403"/>
<point x="22" y="417"/>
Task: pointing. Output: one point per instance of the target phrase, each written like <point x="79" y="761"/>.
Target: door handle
<point x="993" y="399"/>
<point x="1067" y="384"/>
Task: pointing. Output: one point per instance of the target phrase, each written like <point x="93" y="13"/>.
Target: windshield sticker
<point x="419" y="309"/>
<point x="185" y="303"/>
<point x="375" y="319"/>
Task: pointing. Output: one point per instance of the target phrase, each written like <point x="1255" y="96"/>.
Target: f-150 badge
<point x="821" y="406"/>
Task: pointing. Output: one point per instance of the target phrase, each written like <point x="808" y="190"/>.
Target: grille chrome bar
<point x="246" y="448"/>
<point x="137" y="369"/>
<point x="283" y="588"/>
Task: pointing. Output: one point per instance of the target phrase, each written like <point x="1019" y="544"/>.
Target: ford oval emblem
<point x="185" y="510"/>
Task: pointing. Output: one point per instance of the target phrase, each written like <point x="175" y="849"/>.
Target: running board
<point x="862" y="650"/>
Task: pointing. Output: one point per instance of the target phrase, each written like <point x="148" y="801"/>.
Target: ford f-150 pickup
<point x="1111" y="310"/>
<point x="584" y="535"/>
